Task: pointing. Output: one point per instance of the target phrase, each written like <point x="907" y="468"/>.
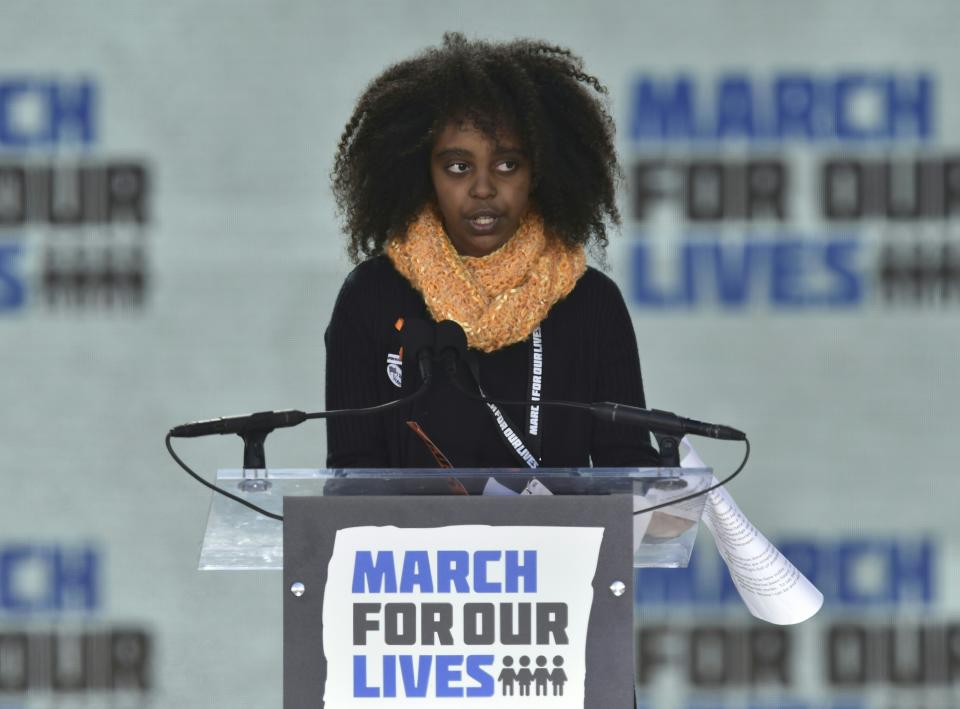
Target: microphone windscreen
<point x="416" y="335"/>
<point x="450" y="336"/>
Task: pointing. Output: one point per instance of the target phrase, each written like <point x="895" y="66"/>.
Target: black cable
<point x="393" y="404"/>
<point x="235" y="498"/>
<point x="374" y="409"/>
<point x="710" y="489"/>
<point x="577" y="405"/>
<point x="316" y="415"/>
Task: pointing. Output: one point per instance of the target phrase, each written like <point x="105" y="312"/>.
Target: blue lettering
<point x="853" y="90"/>
<point x="662" y="109"/>
<point x="908" y="107"/>
<point x="65" y="113"/>
<point x="480" y="582"/>
<point x="484" y="679"/>
<point x="787" y="273"/>
<point x="775" y="703"/>
<point x="849" y="572"/>
<point x="735" y="108"/>
<point x="794" y="104"/>
<point x="797" y="273"/>
<point x="12" y="290"/>
<point x="526" y="571"/>
<point x="10" y="93"/>
<point x="688" y="291"/>
<point x="69" y="579"/>
<point x="389" y="676"/>
<point x="706" y="704"/>
<point x="75" y="579"/>
<point x="71" y="113"/>
<point x="645" y="292"/>
<point x="911" y="571"/>
<point x="789" y="703"/>
<point x="849" y="288"/>
<point x="416" y="572"/>
<point x="452" y="570"/>
<point x="415" y="683"/>
<point x="852" y="106"/>
<point x="10" y="599"/>
<point x="448" y="672"/>
<point x="733" y="271"/>
<point x="360" y="687"/>
<point x="856" y="565"/>
<point x="374" y="577"/>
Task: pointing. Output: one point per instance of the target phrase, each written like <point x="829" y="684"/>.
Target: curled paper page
<point x="772" y="588"/>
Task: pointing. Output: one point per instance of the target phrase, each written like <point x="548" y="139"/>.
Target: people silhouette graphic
<point x="558" y="676"/>
<point x="507" y="675"/>
<point x="541" y="676"/>
<point x="524" y="676"/>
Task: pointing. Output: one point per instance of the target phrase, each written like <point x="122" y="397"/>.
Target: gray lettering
<point x="479" y="626"/>
<point x="400" y="623"/>
<point x="520" y="636"/>
<point x="552" y="620"/>
<point x="436" y="620"/>
<point x="362" y="622"/>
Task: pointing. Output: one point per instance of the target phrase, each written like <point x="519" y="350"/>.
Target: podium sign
<point x="443" y="602"/>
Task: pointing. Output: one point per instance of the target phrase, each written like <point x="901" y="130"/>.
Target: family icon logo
<point x="539" y="677"/>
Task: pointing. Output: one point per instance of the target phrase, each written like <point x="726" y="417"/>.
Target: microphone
<point x="664" y="421"/>
<point x="417" y="338"/>
<point x="452" y="346"/>
<point x="262" y="420"/>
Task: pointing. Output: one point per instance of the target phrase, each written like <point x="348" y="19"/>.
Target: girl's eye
<point x="508" y="165"/>
<point x="457" y="168"/>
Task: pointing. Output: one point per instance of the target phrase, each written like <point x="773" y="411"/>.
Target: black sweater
<point x="589" y="354"/>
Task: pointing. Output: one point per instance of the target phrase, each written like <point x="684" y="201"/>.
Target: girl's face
<point x="482" y="186"/>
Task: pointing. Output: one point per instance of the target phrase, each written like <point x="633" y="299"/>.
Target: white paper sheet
<point x="772" y="588"/>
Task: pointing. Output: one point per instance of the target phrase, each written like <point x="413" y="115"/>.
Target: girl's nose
<point x="483" y="187"/>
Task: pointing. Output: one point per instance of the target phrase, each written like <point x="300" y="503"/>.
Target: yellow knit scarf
<point x="499" y="298"/>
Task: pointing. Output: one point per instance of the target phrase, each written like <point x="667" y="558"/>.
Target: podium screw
<point x="297" y="589"/>
<point x="618" y="588"/>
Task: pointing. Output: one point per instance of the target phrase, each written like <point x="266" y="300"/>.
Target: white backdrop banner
<point x="169" y="251"/>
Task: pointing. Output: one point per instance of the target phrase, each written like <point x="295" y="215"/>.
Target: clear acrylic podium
<point x="573" y="529"/>
<point x="238" y="538"/>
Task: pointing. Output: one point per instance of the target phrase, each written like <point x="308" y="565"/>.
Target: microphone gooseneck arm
<point x="451" y="346"/>
<point x="254" y="428"/>
<point x="664" y="421"/>
<point x="666" y="427"/>
<point x="669" y="444"/>
<point x="316" y="415"/>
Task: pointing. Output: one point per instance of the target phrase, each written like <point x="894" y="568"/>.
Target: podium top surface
<point x="238" y="538"/>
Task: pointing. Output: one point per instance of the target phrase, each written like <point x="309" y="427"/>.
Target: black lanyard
<point x="535" y="384"/>
<point x="526" y="449"/>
